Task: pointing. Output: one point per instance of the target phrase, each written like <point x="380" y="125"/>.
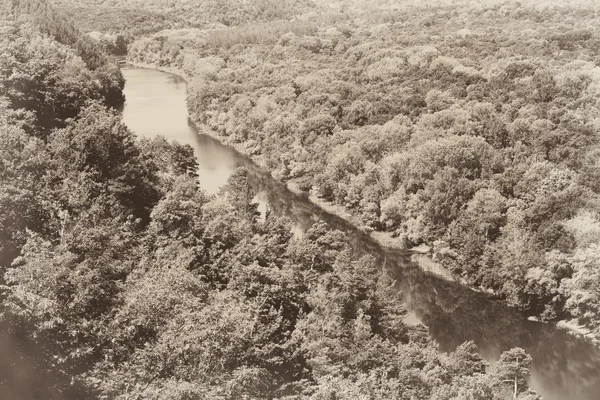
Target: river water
<point x="564" y="368"/>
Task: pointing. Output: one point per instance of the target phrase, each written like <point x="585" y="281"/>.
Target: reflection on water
<point x="564" y="367"/>
<point x="156" y="105"/>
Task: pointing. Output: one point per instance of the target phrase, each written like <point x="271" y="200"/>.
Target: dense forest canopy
<point x="469" y="125"/>
<point x="114" y="24"/>
<point x="131" y="18"/>
<point x="122" y="279"/>
<point x="48" y="69"/>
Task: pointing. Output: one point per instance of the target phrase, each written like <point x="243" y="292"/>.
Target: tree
<point x="511" y="372"/>
<point x="24" y="162"/>
<point x="442" y="200"/>
<point x="240" y="194"/>
<point x="100" y="147"/>
<point x="582" y="289"/>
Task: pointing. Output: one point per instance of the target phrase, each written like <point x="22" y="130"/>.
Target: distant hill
<point x="138" y="16"/>
<point x="44" y="17"/>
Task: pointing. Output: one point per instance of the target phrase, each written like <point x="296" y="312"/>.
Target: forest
<point x="471" y="128"/>
<point x="115" y="23"/>
<point x="122" y="279"/>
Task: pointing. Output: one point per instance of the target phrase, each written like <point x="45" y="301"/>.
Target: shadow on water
<point x="564" y="367"/>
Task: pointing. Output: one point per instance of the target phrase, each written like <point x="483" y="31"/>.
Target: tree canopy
<point x="472" y="124"/>
<point x="122" y="279"/>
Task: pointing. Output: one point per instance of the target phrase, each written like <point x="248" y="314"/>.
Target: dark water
<point x="564" y="368"/>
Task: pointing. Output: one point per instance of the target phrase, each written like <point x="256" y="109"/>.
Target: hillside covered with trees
<point x="472" y="126"/>
<point x="114" y="24"/>
<point x="137" y="17"/>
<point x="121" y="279"/>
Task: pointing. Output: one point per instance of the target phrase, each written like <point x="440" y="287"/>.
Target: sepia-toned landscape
<point x="299" y="199"/>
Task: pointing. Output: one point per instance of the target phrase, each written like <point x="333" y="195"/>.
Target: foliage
<point x="50" y="69"/>
<point x="474" y="124"/>
<point x="142" y="17"/>
<point x="122" y="279"/>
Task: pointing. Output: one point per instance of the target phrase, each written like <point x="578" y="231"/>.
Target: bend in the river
<point x="564" y="367"/>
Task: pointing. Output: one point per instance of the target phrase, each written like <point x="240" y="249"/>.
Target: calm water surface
<point x="564" y="368"/>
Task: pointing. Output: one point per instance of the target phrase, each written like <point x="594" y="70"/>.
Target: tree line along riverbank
<point x="121" y="279"/>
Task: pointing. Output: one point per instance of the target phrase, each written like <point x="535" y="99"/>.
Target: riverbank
<point x="421" y="256"/>
<point x="384" y="239"/>
<point x="579" y="331"/>
<point x="170" y="70"/>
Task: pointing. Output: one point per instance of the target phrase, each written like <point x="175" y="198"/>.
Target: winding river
<point x="565" y="368"/>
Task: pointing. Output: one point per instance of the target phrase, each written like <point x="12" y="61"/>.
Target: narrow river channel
<point x="565" y="368"/>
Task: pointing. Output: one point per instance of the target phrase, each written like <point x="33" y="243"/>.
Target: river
<point x="564" y="367"/>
